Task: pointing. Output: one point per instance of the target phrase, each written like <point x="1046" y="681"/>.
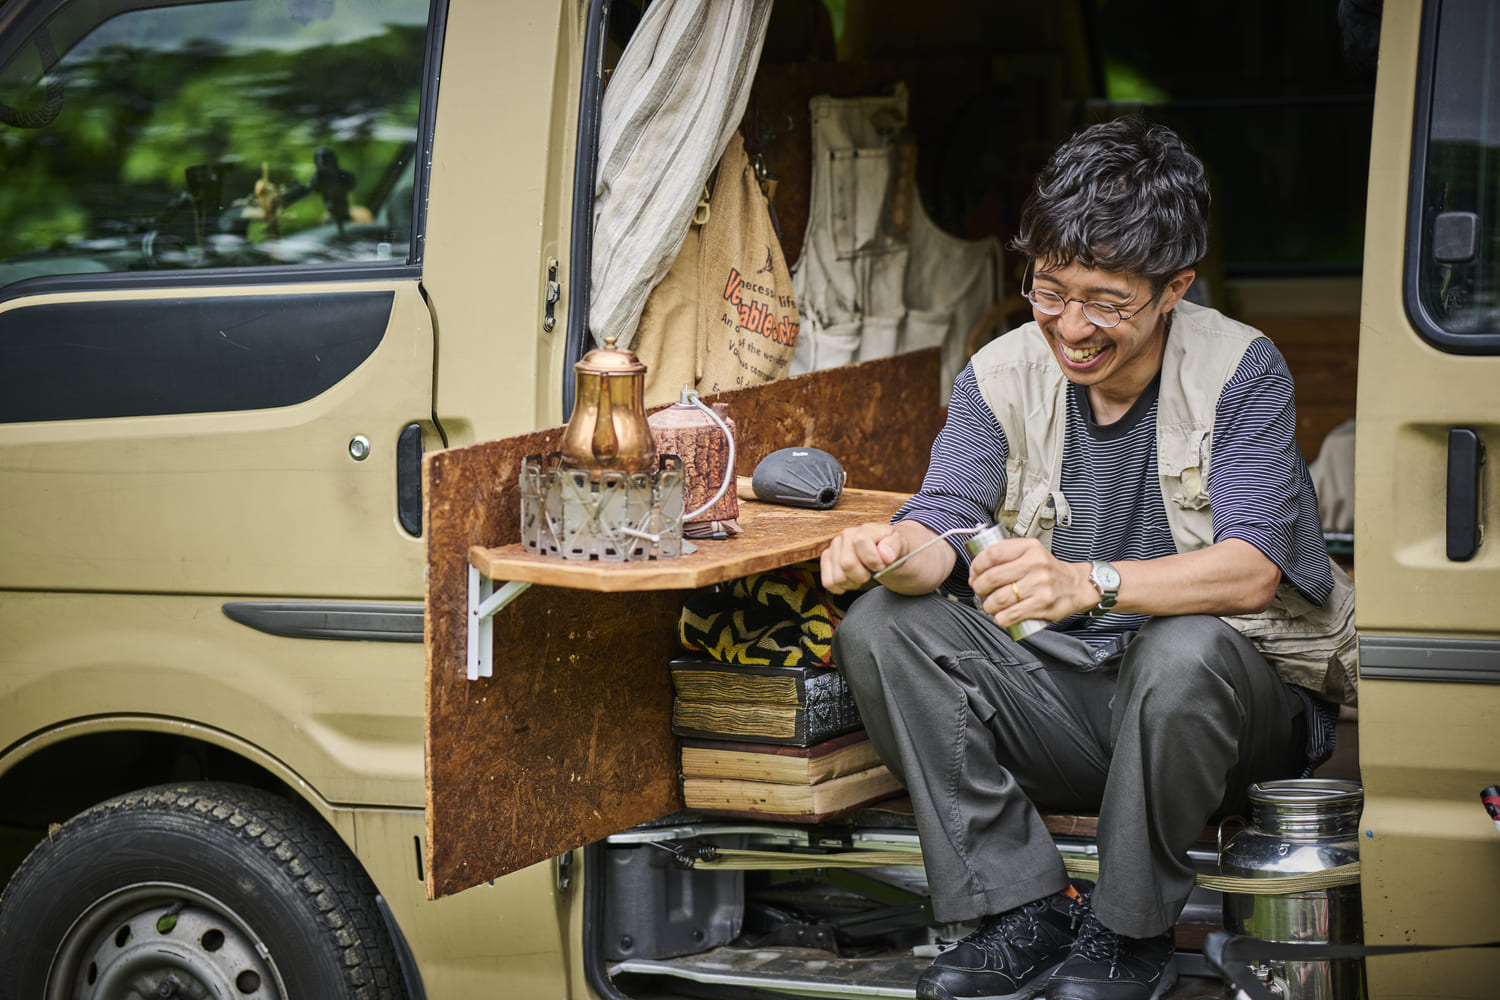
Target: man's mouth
<point x="1080" y="355"/>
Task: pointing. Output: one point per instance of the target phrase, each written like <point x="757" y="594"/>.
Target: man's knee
<point x="1179" y="658"/>
<point x="864" y="627"/>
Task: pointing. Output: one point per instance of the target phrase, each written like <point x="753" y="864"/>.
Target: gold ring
<point x="1015" y="588"/>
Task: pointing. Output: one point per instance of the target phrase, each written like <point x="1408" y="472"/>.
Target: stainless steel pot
<point x="1301" y="826"/>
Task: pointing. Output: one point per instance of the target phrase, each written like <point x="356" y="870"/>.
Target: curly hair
<point x="1124" y="195"/>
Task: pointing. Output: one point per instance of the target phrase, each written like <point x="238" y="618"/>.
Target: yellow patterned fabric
<point x="782" y="617"/>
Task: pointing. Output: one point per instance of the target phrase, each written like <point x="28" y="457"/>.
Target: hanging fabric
<point x="673" y="102"/>
<point x="725" y="316"/>
<point x="876" y="276"/>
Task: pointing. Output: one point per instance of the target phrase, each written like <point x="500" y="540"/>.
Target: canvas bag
<point x="725" y="316"/>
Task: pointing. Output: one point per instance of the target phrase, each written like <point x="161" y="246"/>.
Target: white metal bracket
<point x="484" y="601"/>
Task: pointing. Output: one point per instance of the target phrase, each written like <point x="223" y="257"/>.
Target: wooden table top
<point x="774" y="536"/>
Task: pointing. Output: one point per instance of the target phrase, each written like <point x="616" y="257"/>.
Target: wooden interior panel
<point x="570" y="741"/>
<point x="1323" y="355"/>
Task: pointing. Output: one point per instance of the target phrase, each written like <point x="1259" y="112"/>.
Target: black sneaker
<point x="1108" y="966"/>
<point x="1008" y="951"/>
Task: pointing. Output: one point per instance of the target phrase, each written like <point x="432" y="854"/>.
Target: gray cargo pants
<point x="983" y="730"/>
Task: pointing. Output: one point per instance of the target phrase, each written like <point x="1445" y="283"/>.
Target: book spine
<point x="830" y="708"/>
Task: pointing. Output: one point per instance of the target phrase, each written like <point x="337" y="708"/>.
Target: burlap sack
<point x="725" y="315"/>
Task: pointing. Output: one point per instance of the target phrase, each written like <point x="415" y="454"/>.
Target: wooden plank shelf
<point x="570" y="740"/>
<point x="774" y="536"/>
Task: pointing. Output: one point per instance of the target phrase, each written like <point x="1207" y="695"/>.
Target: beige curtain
<point x="677" y="95"/>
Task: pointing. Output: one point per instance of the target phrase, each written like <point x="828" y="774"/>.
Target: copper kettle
<point x="608" y="431"/>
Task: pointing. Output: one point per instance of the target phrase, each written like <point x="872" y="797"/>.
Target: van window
<point x="1455" y="214"/>
<point x="1263" y="92"/>
<point x="250" y="133"/>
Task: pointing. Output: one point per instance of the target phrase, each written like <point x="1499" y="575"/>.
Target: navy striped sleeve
<point x="965" y="479"/>
<point x="1258" y="484"/>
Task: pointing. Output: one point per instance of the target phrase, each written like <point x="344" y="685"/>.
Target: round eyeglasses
<point x="1101" y="314"/>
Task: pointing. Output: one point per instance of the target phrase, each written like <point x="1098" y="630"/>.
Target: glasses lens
<point x="1048" y="302"/>
<point x="1101" y="314"/>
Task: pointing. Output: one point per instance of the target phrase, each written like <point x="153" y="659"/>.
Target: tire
<point x="228" y="890"/>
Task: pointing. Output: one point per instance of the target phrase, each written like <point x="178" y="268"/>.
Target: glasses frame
<point x="1029" y="294"/>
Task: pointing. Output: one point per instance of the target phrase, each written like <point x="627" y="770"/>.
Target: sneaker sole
<point x="1032" y="988"/>
<point x="1166" y="982"/>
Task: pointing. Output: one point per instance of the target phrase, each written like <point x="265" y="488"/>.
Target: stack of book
<point x="773" y="742"/>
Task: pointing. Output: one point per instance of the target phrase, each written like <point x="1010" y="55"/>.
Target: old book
<point x="802" y="803"/>
<point x="761" y="722"/>
<point x="782" y="764"/>
<point x="787" y="705"/>
<point x="709" y="680"/>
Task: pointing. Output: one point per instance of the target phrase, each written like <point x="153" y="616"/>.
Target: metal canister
<point x="977" y="543"/>
<point x="1300" y="826"/>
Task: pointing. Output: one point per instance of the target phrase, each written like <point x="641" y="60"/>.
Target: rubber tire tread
<point x="317" y="879"/>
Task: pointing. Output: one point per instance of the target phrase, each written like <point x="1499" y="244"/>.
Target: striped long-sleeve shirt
<point x="1259" y="488"/>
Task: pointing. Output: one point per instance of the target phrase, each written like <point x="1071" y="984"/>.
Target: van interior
<point x="1276" y="97"/>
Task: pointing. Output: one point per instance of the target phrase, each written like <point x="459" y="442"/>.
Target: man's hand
<point x="856" y="554"/>
<point x="1018" y="578"/>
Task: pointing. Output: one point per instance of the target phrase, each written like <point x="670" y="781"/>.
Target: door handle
<point x="1465" y="456"/>
<point x="409" y="479"/>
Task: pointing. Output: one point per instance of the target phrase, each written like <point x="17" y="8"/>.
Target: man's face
<point x="1119" y="361"/>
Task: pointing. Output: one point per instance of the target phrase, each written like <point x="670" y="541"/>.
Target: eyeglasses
<point x="1101" y="314"/>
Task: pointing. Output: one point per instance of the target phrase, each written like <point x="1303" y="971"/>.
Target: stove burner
<point x="623" y="517"/>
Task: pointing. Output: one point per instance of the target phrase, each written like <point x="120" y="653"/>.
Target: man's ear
<point x="1176" y="288"/>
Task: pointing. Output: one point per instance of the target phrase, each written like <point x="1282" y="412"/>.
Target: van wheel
<point x="193" y="891"/>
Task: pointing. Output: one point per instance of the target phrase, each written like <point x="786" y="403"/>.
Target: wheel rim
<point x="162" y="940"/>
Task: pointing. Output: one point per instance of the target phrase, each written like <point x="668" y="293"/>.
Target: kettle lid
<point x="610" y="360"/>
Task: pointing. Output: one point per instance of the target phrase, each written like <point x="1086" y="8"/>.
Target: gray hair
<point x="1124" y="195"/>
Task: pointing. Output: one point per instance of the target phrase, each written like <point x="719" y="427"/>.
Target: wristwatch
<point x="1107" y="579"/>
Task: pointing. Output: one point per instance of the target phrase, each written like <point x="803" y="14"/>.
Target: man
<point x="1142" y="451"/>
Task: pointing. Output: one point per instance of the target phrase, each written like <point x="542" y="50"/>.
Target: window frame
<point x="28" y="18"/>
<point x="1417" y="242"/>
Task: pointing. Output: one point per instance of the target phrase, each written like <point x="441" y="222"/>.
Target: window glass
<point x="1457" y="278"/>
<point x="1277" y="97"/>
<point x="249" y="133"/>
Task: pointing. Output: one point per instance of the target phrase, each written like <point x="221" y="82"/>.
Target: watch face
<point x="1106" y="576"/>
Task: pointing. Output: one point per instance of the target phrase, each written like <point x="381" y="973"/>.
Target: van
<point x="285" y="285"/>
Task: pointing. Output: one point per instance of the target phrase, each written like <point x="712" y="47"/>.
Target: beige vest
<point x="1019" y="378"/>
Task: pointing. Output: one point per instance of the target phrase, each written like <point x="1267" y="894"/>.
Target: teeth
<point x="1074" y="354"/>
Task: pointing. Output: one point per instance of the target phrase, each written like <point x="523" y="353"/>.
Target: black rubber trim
<point x="437" y="30"/>
<point x="148" y="357"/>
<point x="1425" y="326"/>
<point x="581" y="251"/>
<point x="594" y="970"/>
<point x="330" y="619"/>
<point x="415" y="990"/>
<point x="1429" y="658"/>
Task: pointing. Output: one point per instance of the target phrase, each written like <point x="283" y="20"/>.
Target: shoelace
<point x="1098" y="943"/>
<point x="1007" y="928"/>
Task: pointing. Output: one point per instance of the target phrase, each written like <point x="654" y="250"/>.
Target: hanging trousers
<point x="984" y="730"/>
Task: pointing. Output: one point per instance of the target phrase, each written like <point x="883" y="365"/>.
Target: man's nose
<point x="1072" y="324"/>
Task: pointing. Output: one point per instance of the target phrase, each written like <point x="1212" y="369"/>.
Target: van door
<point x="1427" y="558"/>
<point x="217" y="361"/>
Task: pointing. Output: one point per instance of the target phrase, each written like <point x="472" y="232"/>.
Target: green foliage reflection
<point x="170" y="118"/>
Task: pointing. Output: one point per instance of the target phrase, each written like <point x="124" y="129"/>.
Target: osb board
<point x="571" y="740"/>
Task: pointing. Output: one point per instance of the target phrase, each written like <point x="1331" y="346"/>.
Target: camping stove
<point x="612" y="516"/>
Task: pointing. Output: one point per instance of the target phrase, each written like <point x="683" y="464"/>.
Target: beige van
<point x="260" y="260"/>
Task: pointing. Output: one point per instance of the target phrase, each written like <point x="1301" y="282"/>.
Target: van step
<point x="814" y="973"/>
